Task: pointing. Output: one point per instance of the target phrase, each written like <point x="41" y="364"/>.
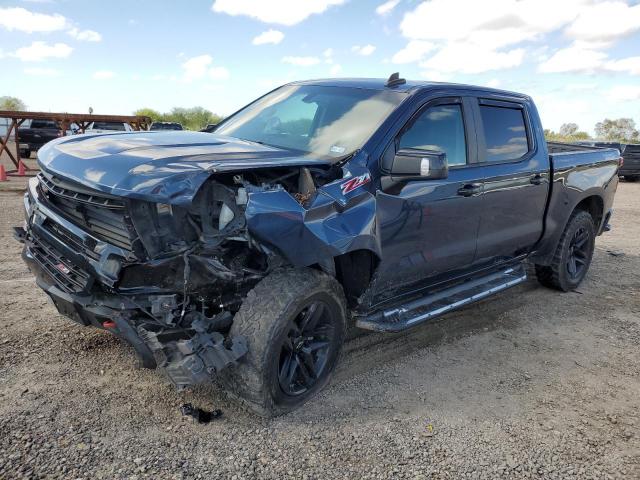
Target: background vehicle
<point x="210" y="128"/>
<point x="243" y="254"/>
<point x="108" y="127"/>
<point x="166" y="126"/>
<point x="35" y="134"/>
<point x="630" y="168"/>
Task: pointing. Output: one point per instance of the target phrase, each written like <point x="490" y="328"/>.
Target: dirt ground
<point x="531" y="383"/>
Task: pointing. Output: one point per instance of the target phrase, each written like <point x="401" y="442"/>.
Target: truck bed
<point x="559" y="147"/>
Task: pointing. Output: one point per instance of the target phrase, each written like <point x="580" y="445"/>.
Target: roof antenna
<point x="395" y="80"/>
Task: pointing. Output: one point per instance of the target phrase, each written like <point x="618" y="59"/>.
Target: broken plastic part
<point x="226" y="215"/>
<point x="189" y="360"/>
<point x="202" y="416"/>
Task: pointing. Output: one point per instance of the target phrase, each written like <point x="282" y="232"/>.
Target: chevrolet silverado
<point x="245" y="254"/>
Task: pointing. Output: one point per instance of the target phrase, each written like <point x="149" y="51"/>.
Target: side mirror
<point x="416" y="163"/>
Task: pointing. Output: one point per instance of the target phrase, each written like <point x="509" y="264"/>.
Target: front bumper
<point x="78" y="273"/>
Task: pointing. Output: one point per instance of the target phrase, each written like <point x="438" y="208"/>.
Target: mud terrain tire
<point x="558" y="274"/>
<point x="274" y="309"/>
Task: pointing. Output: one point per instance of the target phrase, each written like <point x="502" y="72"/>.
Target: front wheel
<point x="294" y="322"/>
<point x="573" y="254"/>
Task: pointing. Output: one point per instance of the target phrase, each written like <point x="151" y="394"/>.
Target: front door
<point x="429" y="227"/>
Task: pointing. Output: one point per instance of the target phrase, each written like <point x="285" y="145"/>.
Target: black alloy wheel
<point x="579" y="255"/>
<point x="305" y="349"/>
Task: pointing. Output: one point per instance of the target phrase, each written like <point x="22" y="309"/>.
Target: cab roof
<point x="410" y="86"/>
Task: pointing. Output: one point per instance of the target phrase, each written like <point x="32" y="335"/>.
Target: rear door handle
<point x="470" y="189"/>
<point x="536" y="179"/>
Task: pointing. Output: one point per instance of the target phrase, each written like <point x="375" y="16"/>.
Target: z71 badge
<point x="355" y="182"/>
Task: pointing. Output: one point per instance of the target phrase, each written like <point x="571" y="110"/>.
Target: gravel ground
<point x="531" y="383"/>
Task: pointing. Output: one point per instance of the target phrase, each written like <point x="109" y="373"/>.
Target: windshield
<point x="316" y="120"/>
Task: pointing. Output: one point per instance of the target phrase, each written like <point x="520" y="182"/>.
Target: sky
<point x="578" y="59"/>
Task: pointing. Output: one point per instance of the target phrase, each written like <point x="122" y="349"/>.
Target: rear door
<point x="429" y="227"/>
<point x="515" y="169"/>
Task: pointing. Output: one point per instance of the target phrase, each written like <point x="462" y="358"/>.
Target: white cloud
<point x="41" y="72"/>
<point x="103" y="75"/>
<point x="573" y="59"/>
<point x="491" y="23"/>
<point x="283" y="12"/>
<point x="200" y="67"/>
<point x="479" y="40"/>
<point x="605" y="22"/>
<point x="494" y="83"/>
<point x="387" y="7"/>
<point x="469" y="58"/>
<point x="335" y="69"/>
<point x="630" y="65"/>
<point x="624" y="93"/>
<point x="413" y="52"/>
<point x="364" y="50"/>
<point x="21" y="19"/>
<point x="85" y="35"/>
<point x="301" y="61"/>
<point x="270" y="36"/>
<point x="218" y="73"/>
<point x="38" y="51"/>
<point x="578" y="59"/>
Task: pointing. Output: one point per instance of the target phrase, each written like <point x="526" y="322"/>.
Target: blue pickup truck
<point x="247" y="253"/>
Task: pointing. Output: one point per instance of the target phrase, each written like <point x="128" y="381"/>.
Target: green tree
<point x="12" y="103"/>
<point x="149" y="112"/>
<point x="621" y="130"/>
<point x="569" y="132"/>
<point x="193" y="118"/>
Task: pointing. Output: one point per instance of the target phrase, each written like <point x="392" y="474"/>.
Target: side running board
<point x="418" y="311"/>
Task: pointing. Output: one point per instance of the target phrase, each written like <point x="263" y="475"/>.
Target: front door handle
<point x="536" y="179"/>
<point x="470" y="189"/>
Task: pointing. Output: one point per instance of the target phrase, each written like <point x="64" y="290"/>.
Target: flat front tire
<point x="573" y="254"/>
<point x="294" y="321"/>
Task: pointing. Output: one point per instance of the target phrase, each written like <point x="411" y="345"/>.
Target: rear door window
<point x="505" y="133"/>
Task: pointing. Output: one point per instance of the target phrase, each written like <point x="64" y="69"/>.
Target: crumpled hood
<point x="165" y="167"/>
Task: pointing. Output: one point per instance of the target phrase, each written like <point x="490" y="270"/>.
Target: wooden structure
<point x="65" y="120"/>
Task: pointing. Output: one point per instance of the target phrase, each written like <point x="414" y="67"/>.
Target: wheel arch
<point x="591" y="201"/>
<point x="594" y="205"/>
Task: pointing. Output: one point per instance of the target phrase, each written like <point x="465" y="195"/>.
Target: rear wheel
<point x="294" y="322"/>
<point x="573" y="254"/>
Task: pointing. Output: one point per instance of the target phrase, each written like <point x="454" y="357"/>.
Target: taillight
<point x="620" y="161"/>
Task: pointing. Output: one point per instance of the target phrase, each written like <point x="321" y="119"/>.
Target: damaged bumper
<point x="187" y="355"/>
<point x="79" y="272"/>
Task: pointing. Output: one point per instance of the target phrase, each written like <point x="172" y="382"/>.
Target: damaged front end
<point x="169" y="278"/>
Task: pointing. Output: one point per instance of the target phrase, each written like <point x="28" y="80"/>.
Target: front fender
<point x="308" y="236"/>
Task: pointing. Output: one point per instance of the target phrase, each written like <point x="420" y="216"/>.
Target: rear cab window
<point x="505" y="132"/>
